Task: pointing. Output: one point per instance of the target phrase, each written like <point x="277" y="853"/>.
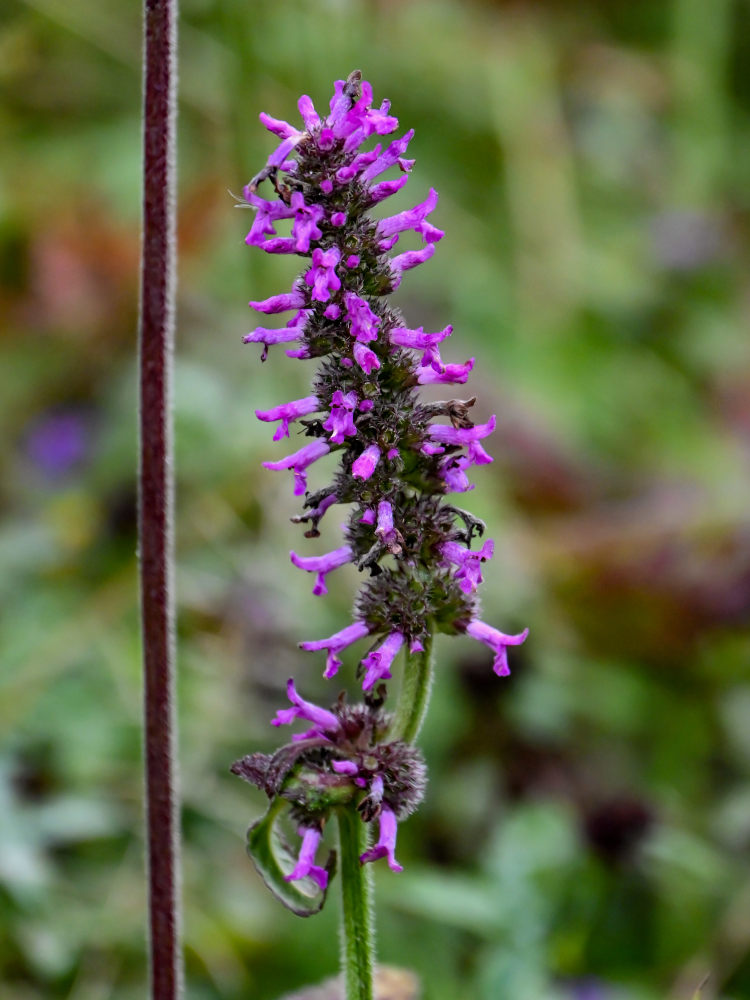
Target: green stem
<point x="414" y="696"/>
<point x="357" y="924"/>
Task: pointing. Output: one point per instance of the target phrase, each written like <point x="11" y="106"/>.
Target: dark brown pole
<point x="155" y="494"/>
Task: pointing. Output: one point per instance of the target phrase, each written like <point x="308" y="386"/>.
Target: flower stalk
<point x="357" y="920"/>
<point x="155" y="493"/>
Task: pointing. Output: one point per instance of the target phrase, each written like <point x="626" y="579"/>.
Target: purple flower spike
<point x="398" y="457"/>
<point x="306" y="219"/>
<point x="364" y="466"/>
<point x="386" y="845"/>
<point x="335" y="644"/>
<point x="461" y="435"/>
<point x="321" y="718"/>
<point x="306" y="867"/>
<point x="451" y="374"/>
<point x="341" y="422"/>
<point x="498" y="643"/>
<point x="280" y="303"/>
<point x="364" y="322"/>
<point x="299" y="461"/>
<point x="377" y="664"/>
<point x="366" y="359"/>
<point x="416" y="219"/>
<point x="469" y="573"/>
<point x="322" y="565"/>
<point x="322" y="275"/>
<point x="288" y="412"/>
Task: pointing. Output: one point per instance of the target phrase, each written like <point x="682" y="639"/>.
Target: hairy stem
<point x="414" y="696"/>
<point x="155" y="531"/>
<point x="357" y="924"/>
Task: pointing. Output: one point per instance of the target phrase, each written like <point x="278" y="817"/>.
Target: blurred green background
<point x="586" y="829"/>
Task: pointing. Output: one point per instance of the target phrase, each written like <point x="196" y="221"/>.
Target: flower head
<point x="397" y="462"/>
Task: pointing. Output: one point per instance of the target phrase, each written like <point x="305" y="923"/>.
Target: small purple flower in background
<point x="399" y="460"/>
<point x="57" y="442"/>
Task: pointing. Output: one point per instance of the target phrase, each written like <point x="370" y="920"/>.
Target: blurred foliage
<point x="587" y="826"/>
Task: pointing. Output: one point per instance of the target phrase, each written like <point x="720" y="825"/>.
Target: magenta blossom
<point x="299" y="462"/>
<point x="364" y="466"/>
<point x="322" y="565"/>
<point x="386" y="845"/>
<point x="498" y="643"/>
<point x="306" y="867"/>
<point x="335" y="644"/>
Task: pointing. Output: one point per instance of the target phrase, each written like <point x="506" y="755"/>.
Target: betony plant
<point x="400" y="460"/>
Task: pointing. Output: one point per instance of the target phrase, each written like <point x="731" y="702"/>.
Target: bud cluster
<point x="399" y="457"/>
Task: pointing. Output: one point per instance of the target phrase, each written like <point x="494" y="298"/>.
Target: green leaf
<point x="272" y="857"/>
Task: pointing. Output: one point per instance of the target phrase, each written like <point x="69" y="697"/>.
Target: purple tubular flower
<point x="415" y="218"/>
<point x="379" y="192"/>
<point x="461" y="435"/>
<point x="377" y="664"/>
<point x="267" y="212"/>
<point x="322" y="275"/>
<point x="385" y="519"/>
<point x="288" y="412"/>
<point x="317" y="513"/>
<point x="299" y="462"/>
<point x="306" y="219"/>
<point x="418" y="340"/>
<point x="345" y="767"/>
<point x="386" y="845"/>
<point x="366" y="359"/>
<point x="364" y="466"/>
<point x="453" y="473"/>
<point x="364" y="322"/>
<point x="306" y="867"/>
<point x="321" y="718"/>
<point x="347" y="173"/>
<point x="406" y="261"/>
<point x="280" y="128"/>
<point x="387" y="159"/>
<point x="286" y="335"/>
<point x="368" y="517"/>
<point x="322" y="565"/>
<point x="335" y="644"/>
<point x="280" y="303"/>
<point x="341" y="422"/>
<point x="450" y="375"/>
<point x="469" y="572"/>
<point x="310" y="116"/>
<point x="497" y="641"/>
<point x="280" y="244"/>
<point x="278" y="157"/>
